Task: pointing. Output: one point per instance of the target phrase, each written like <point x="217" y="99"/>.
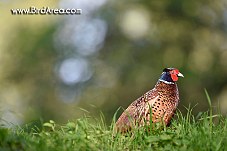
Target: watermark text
<point x="45" y="11"/>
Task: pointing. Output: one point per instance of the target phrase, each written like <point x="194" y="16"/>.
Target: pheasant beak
<point x="180" y="75"/>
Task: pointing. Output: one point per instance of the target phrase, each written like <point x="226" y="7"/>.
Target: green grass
<point x="203" y="132"/>
<point x="185" y="133"/>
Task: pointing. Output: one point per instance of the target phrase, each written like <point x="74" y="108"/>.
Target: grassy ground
<point x="185" y="133"/>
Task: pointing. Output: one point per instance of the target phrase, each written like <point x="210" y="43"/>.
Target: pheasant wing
<point x="136" y="111"/>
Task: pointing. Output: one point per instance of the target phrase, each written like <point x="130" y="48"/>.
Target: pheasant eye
<point x="174" y="72"/>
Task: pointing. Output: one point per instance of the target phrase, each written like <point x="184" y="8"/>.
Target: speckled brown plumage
<point x="162" y="100"/>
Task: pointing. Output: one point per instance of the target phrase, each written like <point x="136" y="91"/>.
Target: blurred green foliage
<point x="142" y="38"/>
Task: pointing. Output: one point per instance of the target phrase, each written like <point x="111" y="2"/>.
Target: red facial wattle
<point x="174" y="74"/>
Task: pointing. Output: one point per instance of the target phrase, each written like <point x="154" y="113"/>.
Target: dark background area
<point x="55" y="66"/>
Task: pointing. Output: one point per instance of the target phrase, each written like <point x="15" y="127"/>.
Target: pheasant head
<point x="170" y="75"/>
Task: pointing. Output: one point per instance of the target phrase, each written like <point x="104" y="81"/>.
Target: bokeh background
<point x="61" y="67"/>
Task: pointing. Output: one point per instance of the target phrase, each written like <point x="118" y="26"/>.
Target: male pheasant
<point x="162" y="101"/>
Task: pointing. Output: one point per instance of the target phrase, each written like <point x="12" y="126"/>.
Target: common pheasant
<point x="162" y="101"/>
